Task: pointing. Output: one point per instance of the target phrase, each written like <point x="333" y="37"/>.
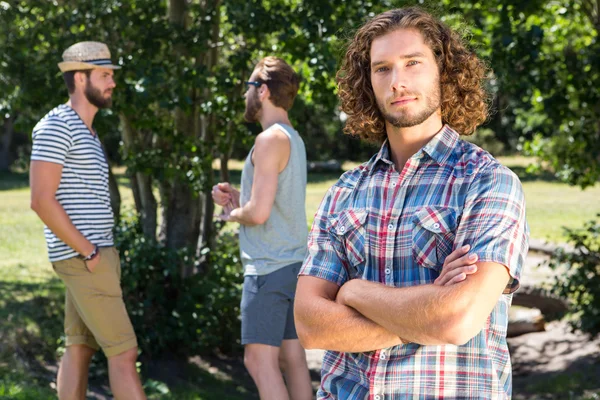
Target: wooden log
<point x="525" y="320"/>
<point x="549" y="304"/>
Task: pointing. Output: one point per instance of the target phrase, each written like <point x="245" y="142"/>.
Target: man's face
<point x="253" y="104"/>
<point x="405" y="78"/>
<point x="99" y="86"/>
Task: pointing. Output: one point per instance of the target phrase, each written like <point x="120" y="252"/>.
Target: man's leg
<point x="98" y="298"/>
<point x="124" y="379"/>
<point x="293" y="356"/>
<point x="72" y="377"/>
<point x="262" y="362"/>
<point x="264" y="311"/>
<point x="295" y="369"/>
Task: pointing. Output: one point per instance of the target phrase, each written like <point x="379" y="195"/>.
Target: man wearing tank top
<point x="273" y="232"/>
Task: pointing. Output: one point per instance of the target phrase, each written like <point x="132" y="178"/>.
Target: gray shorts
<point x="268" y="306"/>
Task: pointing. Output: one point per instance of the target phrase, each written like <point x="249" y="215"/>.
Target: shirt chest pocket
<point x="347" y="230"/>
<point x="433" y="233"/>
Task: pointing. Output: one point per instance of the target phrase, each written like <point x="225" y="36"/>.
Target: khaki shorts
<point x="95" y="313"/>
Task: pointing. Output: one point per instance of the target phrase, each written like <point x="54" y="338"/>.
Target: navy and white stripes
<point x="61" y="137"/>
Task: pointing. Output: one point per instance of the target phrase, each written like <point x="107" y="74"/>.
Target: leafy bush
<point x="486" y="139"/>
<point x="580" y="282"/>
<point x="173" y="315"/>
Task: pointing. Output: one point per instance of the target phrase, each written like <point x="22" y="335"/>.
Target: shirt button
<point x="342" y="229"/>
<point x="391" y="226"/>
<point x="394" y="184"/>
<point x="388" y="271"/>
<point x="377" y="397"/>
<point x="382" y="356"/>
<point x="436" y="225"/>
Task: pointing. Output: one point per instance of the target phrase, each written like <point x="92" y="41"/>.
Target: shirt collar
<point x="439" y="148"/>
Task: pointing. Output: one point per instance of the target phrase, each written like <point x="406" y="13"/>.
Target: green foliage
<point x="175" y="315"/>
<point x="487" y="140"/>
<point x="580" y="282"/>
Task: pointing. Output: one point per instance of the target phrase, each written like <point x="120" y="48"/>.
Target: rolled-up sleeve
<point x="493" y="221"/>
<point x="323" y="259"/>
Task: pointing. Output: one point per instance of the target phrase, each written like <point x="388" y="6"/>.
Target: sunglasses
<point x="254" y="83"/>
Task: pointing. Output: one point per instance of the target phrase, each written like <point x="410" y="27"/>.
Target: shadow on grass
<point x="13" y="180"/>
<point x="32" y="330"/>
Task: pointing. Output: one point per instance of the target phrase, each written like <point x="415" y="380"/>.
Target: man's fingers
<point x="456" y="254"/>
<point x="458" y="278"/>
<point x="224" y="186"/>
<point x="467" y="259"/>
<point x="454" y="275"/>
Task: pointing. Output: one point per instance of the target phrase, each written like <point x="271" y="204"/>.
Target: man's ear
<point x="80" y="78"/>
<point x="264" y="92"/>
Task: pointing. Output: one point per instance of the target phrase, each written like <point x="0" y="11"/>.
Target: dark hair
<point x="69" y="78"/>
<point x="281" y="80"/>
<point x="464" y="100"/>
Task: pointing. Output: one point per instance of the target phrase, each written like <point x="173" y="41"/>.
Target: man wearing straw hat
<point x="69" y="192"/>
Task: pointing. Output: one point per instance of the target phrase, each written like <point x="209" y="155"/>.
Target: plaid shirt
<point x="397" y="228"/>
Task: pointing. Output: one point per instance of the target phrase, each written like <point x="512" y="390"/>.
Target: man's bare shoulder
<point x="272" y="136"/>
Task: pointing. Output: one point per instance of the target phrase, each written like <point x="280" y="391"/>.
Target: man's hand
<point x="228" y="197"/>
<point x="93" y="263"/>
<point x="223" y="194"/>
<point x="457" y="266"/>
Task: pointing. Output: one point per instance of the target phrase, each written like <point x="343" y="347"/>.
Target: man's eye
<point x="381" y="69"/>
<point x="412" y="62"/>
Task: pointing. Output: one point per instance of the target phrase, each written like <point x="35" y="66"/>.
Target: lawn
<point x="31" y="296"/>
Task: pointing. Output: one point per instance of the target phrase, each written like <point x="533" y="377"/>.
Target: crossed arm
<point x="364" y="316"/>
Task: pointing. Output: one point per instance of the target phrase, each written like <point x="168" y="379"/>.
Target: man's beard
<point x="404" y="120"/>
<point x="94" y="96"/>
<point x="253" y="107"/>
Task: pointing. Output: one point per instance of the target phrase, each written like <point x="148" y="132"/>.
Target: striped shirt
<point x="61" y="137"/>
<point x="397" y="228"/>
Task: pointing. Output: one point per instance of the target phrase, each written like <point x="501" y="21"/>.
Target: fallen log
<point x="525" y="320"/>
<point x="550" y="305"/>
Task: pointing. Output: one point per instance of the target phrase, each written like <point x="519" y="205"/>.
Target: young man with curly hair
<point x="385" y="287"/>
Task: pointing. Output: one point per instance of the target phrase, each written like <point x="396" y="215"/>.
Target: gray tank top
<point x="281" y="240"/>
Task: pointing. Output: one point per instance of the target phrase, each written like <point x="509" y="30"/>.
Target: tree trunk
<point x="141" y="184"/>
<point x="5" y="143"/>
<point x="113" y="187"/>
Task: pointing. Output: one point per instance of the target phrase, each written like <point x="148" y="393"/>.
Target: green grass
<point x="31" y="297"/>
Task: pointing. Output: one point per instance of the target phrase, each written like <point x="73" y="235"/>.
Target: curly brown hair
<point x="464" y="100"/>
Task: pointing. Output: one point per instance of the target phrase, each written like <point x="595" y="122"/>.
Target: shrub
<point x="173" y="315"/>
<point x="486" y="139"/>
<point x="580" y="282"/>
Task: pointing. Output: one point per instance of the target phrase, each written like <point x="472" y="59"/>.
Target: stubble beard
<point x="253" y="107"/>
<point x="405" y="120"/>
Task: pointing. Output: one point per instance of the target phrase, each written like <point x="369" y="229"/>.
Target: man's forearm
<point x="243" y="215"/>
<point x="325" y="324"/>
<point x="424" y="314"/>
<point x="54" y="216"/>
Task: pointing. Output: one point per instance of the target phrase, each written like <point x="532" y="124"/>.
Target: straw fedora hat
<point x="86" y="55"/>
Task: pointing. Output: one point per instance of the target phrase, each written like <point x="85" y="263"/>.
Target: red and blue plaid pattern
<point x="397" y="227"/>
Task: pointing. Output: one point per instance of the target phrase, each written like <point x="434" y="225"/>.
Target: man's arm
<point x="44" y="178"/>
<point x="271" y="155"/>
<point x="322" y="323"/>
<point x="430" y="314"/>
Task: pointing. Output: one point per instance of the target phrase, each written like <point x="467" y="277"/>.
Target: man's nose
<point x="398" y="81"/>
